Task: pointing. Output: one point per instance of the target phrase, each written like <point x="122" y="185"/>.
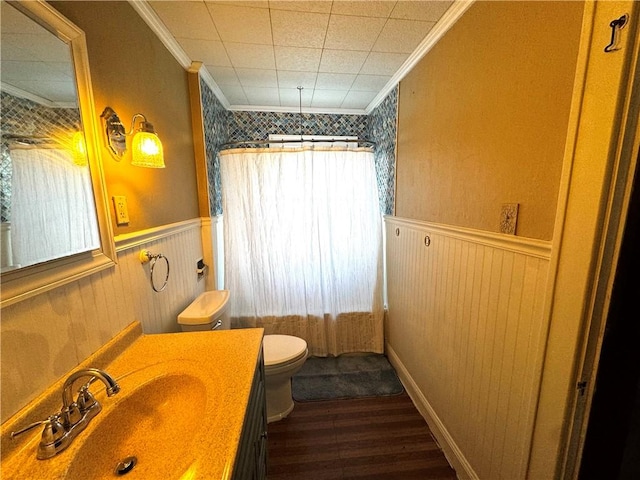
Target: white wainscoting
<point x="465" y="330"/>
<point x="181" y="244"/>
<point x="46" y="336"/>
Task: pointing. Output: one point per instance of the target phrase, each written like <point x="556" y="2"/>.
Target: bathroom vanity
<point x="190" y="406"/>
<point x="251" y="459"/>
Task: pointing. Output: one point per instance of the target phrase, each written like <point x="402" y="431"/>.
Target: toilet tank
<point x="209" y="311"/>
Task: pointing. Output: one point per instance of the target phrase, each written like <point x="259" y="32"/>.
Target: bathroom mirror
<point x="51" y="178"/>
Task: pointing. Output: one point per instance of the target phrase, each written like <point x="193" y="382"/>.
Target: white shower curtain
<point x="52" y="208"/>
<point x="303" y="245"/>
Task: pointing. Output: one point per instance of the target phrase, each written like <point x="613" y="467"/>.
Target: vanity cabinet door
<point x="251" y="461"/>
<point x="260" y="444"/>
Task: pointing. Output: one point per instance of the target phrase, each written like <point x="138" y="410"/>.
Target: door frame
<point x="592" y="204"/>
<point x="624" y="149"/>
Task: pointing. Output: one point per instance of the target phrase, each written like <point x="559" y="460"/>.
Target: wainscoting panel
<point x="46" y="336"/>
<point x="181" y="244"/>
<point x="464" y="329"/>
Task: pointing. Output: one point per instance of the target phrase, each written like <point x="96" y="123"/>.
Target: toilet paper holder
<point x="201" y="269"/>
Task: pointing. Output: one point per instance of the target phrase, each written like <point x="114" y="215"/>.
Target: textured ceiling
<point x="35" y="63"/>
<point x="343" y="53"/>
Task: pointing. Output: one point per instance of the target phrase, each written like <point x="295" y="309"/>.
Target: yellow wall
<point x="44" y="337"/>
<point x="133" y="72"/>
<point x="483" y="118"/>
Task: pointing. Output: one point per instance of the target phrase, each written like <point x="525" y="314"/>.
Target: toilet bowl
<point x="284" y="356"/>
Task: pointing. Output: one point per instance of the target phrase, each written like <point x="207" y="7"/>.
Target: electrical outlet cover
<point x="508" y="218"/>
<point x="122" y="213"/>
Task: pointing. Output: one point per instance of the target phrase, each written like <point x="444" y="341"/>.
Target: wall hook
<point x="616" y="25"/>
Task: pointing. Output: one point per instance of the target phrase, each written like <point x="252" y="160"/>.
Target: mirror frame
<point x="23" y="283"/>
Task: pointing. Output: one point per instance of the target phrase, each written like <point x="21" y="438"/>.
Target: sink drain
<point x="125" y="466"/>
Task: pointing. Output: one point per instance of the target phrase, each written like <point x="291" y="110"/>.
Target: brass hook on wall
<point x="616" y="25"/>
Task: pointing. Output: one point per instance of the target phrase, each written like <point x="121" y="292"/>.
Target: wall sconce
<point x="146" y="148"/>
<point x="79" y="149"/>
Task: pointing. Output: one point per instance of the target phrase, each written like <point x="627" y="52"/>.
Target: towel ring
<point x="145" y="256"/>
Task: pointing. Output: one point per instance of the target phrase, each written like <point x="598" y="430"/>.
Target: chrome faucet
<point x="72" y="411"/>
<point x="61" y="428"/>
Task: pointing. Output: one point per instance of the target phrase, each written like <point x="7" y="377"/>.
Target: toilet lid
<point x="282" y="348"/>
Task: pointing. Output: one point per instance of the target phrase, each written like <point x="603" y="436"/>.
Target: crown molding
<point x="157" y="25"/>
<point x="450" y="17"/>
<point x="153" y="21"/>
<point x="18" y="92"/>
<point x="208" y="79"/>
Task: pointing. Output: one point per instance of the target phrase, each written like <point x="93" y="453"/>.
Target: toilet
<point x="284" y="355"/>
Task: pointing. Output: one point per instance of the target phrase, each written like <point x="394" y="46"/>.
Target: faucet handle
<point x="52" y="427"/>
<point x="27" y="428"/>
<point x="85" y="399"/>
<point x="71" y="415"/>
<point x="53" y="430"/>
<point x="53" y="436"/>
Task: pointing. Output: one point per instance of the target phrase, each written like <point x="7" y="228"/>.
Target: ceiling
<point x="35" y="63"/>
<point x="344" y="54"/>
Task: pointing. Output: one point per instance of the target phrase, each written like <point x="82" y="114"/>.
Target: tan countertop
<point x="220" y="366"/>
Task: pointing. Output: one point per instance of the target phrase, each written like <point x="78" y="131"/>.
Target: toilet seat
<point x="282" y="350"/>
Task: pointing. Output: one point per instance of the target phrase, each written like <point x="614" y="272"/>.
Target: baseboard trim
<point x="452" y="452"/>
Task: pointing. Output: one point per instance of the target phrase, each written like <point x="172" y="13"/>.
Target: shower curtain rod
<point x="361" y="143"/>
<point x="29" y="141"/>
<point x="25" y="137"/>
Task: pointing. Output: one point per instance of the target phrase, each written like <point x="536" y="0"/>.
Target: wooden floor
<point x="369" y="438"/>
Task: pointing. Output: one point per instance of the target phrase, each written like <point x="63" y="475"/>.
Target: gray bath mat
<point x="342" y="377"/>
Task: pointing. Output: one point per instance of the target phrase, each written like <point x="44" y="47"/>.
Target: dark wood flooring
<point x="365" y="438"/>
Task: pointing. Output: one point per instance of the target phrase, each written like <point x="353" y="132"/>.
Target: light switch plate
<point x="508" y="218"/>
<point x="122" y="213"/>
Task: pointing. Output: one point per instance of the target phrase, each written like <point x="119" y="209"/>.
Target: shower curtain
<point x="303" y="245"/>
<point x="52" y="207"/>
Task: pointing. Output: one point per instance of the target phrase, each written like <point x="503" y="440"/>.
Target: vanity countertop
<point x="224" y="360"/>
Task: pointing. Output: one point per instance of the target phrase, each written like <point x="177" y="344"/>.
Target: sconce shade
<point x="146" y="148"/>
<point x="79" y="149"/>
